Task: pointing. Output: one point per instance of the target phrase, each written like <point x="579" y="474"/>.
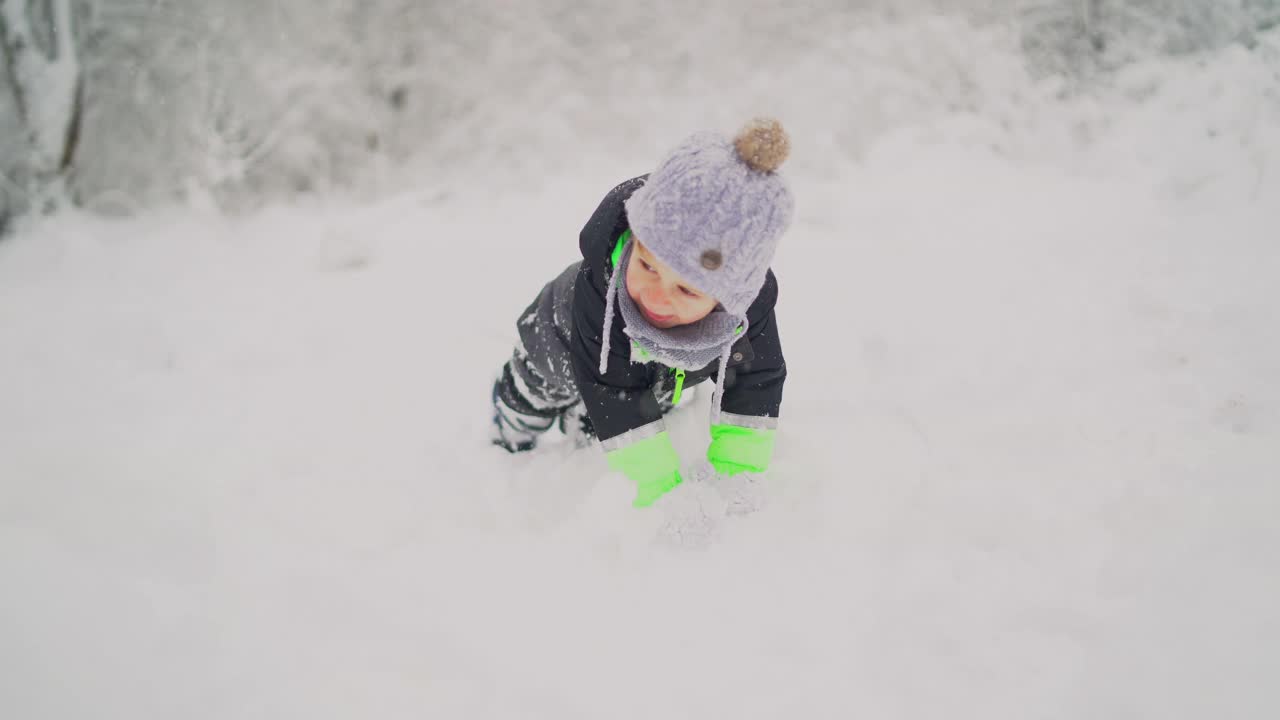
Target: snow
<point x="50" y="113"/>
<point x="1029" y="464"/>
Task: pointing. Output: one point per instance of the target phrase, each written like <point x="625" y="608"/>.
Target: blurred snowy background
<point x="241" y="103"/>
<point x="259" y="261"/>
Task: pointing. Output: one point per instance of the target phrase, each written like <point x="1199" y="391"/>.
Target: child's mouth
<point x="653" y="317"/>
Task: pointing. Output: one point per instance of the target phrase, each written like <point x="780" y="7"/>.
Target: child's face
<point x="663" y="296"/>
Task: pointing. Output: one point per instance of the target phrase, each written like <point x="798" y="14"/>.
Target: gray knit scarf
<point x="687" y="347"/>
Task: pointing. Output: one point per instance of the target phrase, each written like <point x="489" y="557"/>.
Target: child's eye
<point x="647" y="266"/>
<point x="688" y="292"/>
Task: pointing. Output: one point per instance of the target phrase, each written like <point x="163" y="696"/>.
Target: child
<point x="674" y="288"/>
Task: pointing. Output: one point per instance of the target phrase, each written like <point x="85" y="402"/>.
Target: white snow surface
<point x="1029" y="464"/>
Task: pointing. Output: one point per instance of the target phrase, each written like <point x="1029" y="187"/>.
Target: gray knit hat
<point x="714" y="210"/>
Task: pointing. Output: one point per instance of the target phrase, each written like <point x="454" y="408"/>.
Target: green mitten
<point x="736" y="449"/>
<point x="652" y="464"/>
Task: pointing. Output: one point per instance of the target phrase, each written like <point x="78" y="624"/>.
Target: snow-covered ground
<point x="1029" y="467"/>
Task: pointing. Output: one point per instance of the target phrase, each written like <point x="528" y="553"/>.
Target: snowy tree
<point x="236" y="103"/>
<point x="233" y="103"/>
<point x="1072" y="37"/>
<point x="44" y="80"/>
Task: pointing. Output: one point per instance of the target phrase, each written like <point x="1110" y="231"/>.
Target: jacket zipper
<point x="675" y="397"/>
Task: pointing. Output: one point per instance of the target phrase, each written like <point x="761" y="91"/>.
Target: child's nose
<point x="658" y="299"/>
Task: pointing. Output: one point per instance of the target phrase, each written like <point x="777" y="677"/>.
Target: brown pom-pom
<point x="763" y="144"/>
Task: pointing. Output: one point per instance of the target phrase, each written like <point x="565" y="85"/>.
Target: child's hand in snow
<point x="693" y="512"/>
<point x="691" y="515"/>
<point x="742" y="494"/>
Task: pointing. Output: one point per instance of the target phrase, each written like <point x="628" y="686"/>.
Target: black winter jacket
<point x="622" y="399"/>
